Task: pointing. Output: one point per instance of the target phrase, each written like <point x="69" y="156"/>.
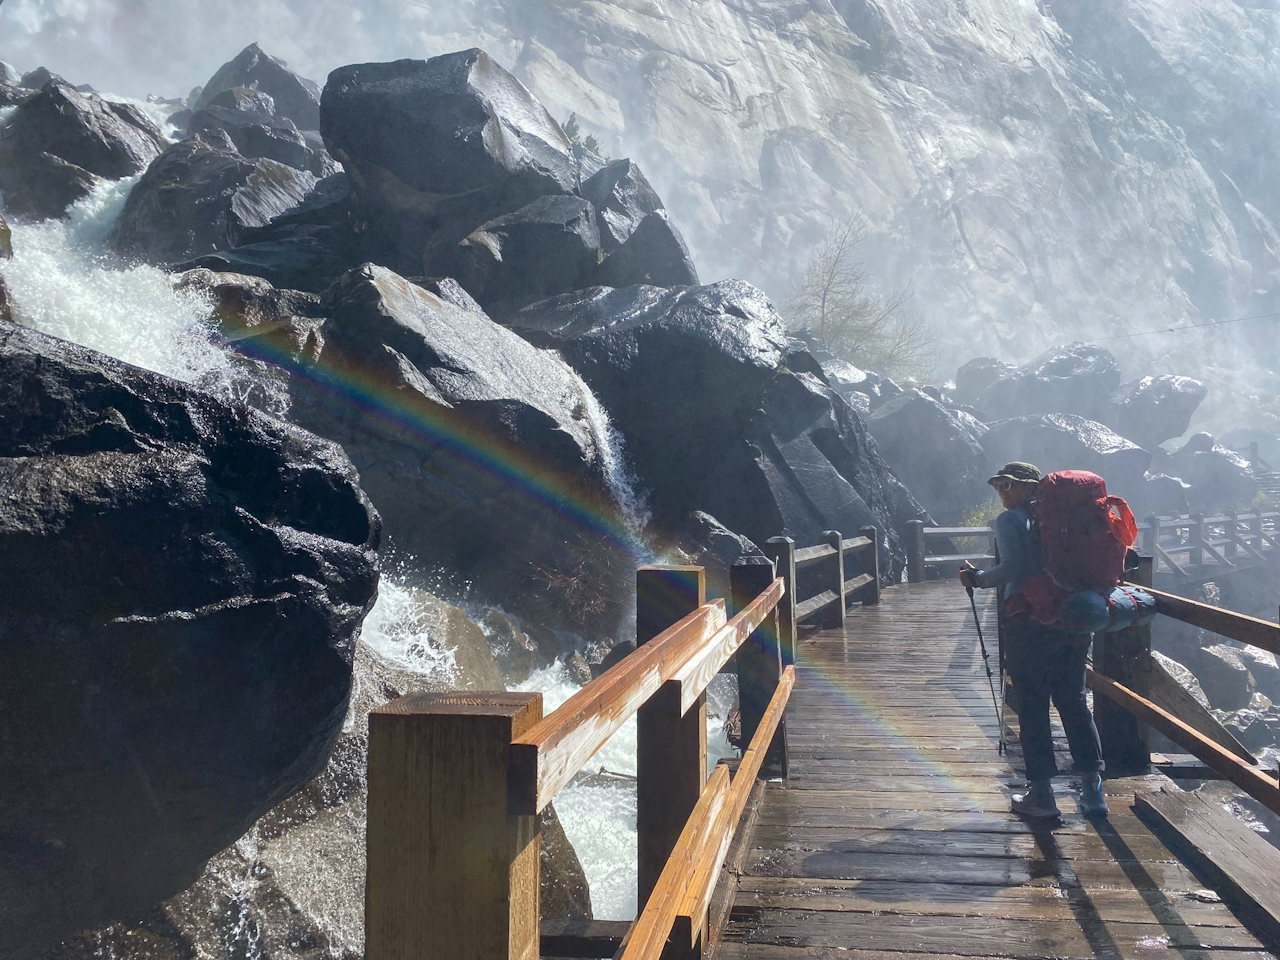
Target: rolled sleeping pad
<point x="1104" y="611"/>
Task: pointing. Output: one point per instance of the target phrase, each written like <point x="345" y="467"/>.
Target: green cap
<point x="1017" y="470"/>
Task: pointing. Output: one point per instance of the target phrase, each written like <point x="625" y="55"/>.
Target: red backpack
<point x="1084" y="535"/>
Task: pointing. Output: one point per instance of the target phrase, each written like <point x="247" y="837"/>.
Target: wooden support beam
<point x="671" y="745"/>
<point x="1233" y="535"/>
<point x="1216" y="554"/>
<point x="1226" y="623"/>
<point x="1125" y="656"/>
<point x="1151" y="535"/>
<point x="1170" y="562"/>
<point x="759" y="660"/>
<point x="915" y="551"/>
<point x="1196" y="555"/>
<point x="815" y="605"/>
<point x="832" y="573"/>
<point x="1252" y="781"/>
<point x="582" y="938"/>
<point x="782" y="551"/>
<point x="451" y="873"/>
<point x="1171" y="696"/>
<point x="871" y="565"/>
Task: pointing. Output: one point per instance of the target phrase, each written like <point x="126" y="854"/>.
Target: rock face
<point x="1220" y="479"/>
<point x="1154" y="409"/>
<point x="714" y="421"/>
<point x="1224" y="676"/>
<point x="446" y="143"/>
<point x="478" y="449"/>
<point x="201" y="196"/>
<point x="1077" y="379"/>
<point x="622" y="198"/>
<point x="60" y="143"/>
<point x="654" y="254"/>
<point x="975" y="376"/>
<point x="249" y="119"/>
<point x="714" y="547"/>
<point x="294" y="97"/>
<point x="1066" y="442"/>
<point x="184" y="583"/>
<point x="934" y="450"/>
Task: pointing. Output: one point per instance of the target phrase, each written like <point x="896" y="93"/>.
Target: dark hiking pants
<point x="1049" y="665"/>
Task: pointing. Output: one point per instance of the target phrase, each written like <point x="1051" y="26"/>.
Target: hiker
<point x="1045" y="663"/>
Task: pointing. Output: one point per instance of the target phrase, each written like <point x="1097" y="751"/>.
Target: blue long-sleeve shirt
<point x="1019" y="544"/>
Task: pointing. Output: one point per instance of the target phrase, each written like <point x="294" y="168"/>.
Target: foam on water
<point x="397" y="630"/>
<point x="64" y="283"/>
<point x="599" y="818"/>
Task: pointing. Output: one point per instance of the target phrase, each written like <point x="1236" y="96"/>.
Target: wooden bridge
<point x="867" y="818"/>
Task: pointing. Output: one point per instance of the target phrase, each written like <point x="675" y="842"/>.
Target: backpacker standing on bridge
<point x="1046" y="663"/>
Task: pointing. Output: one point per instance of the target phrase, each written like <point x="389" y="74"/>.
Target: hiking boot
<point x="1037" y="801"/>
<point x="1092" y="803"/>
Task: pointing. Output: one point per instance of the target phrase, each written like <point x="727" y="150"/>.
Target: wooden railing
<point x="1193" y="547"/>
<point x="457" y="781"/>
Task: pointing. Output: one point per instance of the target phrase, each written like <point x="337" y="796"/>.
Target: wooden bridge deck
<point x="893" y="834"/>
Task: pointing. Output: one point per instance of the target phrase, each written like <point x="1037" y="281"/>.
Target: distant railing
<point x="457" y="781"/>
<point x="1190" y="547"/>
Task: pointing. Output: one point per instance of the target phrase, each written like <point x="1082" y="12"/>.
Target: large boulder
<point x="1224" y="676"/>
<point x="309" y="263"/>
<point x="1068" y="442"/>
<point x="654" y="254"/>
<point x="482" y="452"/>
<point x="1220" y="479"/>
<point x="61" y="143"/>
<point x="708" y="543"/>
<point x="295" y="97"/>
<point x="184" y="581"/>
<point x="979" y="373"/>
<point x="622" y="198"/>
<point x="437" y="147"/>
<point x="935" y="450"/>
<point x="696" y="381"/>
<point x="248" y="117"/>
<point x="1154" y="409"/>
<point x="545" y="248"/>
<point x="201" y="196"/>
<point x="1078" y="378"/>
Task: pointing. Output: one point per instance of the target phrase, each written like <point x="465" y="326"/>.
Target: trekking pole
<point x="986" y="662"/>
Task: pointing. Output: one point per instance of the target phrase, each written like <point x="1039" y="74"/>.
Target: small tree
<point x="834" y="301"/>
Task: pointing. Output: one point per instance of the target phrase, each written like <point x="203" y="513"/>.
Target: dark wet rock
<point x="1062" y="441"/>
<point x="436" y="148"/>
<point x="60" y="143"/>
<point x="37" y="78"/>
<point x="11" y="96"/>
<point x="248" y="118"/>
<point x="1183" y="675"/>
<point x="1263" y="666"/>
<point x="1255" y="726"/>
<point x="514" y="651"/>
<point x="654" y="254"/>
<point x="547" y="247"/>
<point x="711" y="545"/>
<point x="184" y="582"/>
<point x="294" y="97"/>
<point x="1224" y="676"/>
<point x="469" y="440"/>
<point x="308" y="263"/>
<point x="694" y="379"/>
<point x="622" y="198"/>
<point x="1242" y="440"/>
<point x="975" y="376"/>
<point x="934" y="450"/>
<point x="6" y="240"/>
<point x="565" y="893"/>
<point x="1220" y="479"/>
<point x="1163" y="496"/>
<point x="577" y="669"/>
<point x="617" y="653"/>
<point x="200" y="196"/>
<point x="854" y="384"/>
<point x="1154" y="409"/>
<point x="6" y="302"/>
<point x="1078" y="378"/>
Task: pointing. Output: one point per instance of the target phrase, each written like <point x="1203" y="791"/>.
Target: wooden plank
<point x="959" y="558"/>
<point x="857" y="583"/>
<point x="547" y="757"/>
<point x="1227" y="623"/>
<point x="1253" y="782"/>
<point x="647" y="937"/>
<point x="959" y="532"/>
<point x="856" y="543"/>
<point x="1168" y="694"/>
<point x="769" y="951"/>
<point x="697" y="899"/>
<point x="582" y="938"/>
<point x="1244" y="866"/>
<point x="815" y="604"/>
<point x="730" y="873"/>
<point x="810" y="555"/>
<point x="703" y="666"/>
<point x="439" y="833"/>
<point x="1171" y="563"/>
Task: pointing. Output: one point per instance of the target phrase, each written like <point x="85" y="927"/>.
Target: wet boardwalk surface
<point x="893" y="835"/>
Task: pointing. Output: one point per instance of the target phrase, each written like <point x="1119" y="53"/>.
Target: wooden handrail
<point x="548" y="756"/>
<point x="1227" y="623"/>
<point x="959" y="532"/>
<point x="1249" y="779"/>
<point x="857" y="543"/>
<point x="677" y="908"/>
<point x="810" y="555"/>
<point x="816" y="604"/>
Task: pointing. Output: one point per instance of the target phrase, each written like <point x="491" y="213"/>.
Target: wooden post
<point x="1255" y="527"/>
<point x="833" y="580"/>
<point x="782" y="550"/>
<point x="1151" y="535"/>
<point x="671" y="749"/>
<point x="1125" y="657"/>
<point x="450" y="872"/>
<point x="915" y="551"/>
<point x="871" y="564"/>
<point x="1197" y="540"/>
<point x="1230" y="548"/>
<point x="1254" y="456"/>
<point x="758" y="660"/>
